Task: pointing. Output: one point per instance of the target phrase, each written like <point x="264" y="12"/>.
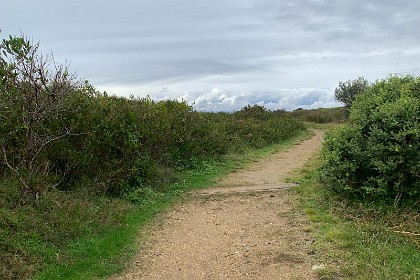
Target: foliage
<point x="259" y="127"/>
<point x="376" y="156"/>
<point x="255" y="112"/>
<point x="346" y="92"/>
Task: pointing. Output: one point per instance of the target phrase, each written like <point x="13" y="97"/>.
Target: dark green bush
<point x="123" y="144"/>
<point x="377" y="155"/>
<point x="253" y="112"/>
<point x="256" y="127"/>
<point x="34" y="91"/>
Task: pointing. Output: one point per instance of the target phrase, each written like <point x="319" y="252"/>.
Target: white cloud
<point x="218" y="99"/>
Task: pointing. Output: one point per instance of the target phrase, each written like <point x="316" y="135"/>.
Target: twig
<point x="13" y="169"/>
<point x="43" y="145"/>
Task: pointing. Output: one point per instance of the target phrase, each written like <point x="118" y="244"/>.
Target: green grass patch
<point x="108" y="252"/>
<point x="358" y="240"/>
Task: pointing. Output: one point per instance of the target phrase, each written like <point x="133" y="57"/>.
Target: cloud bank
<point x="218" y="99"/>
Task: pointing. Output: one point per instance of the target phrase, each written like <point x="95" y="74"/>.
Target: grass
<point x="358" y="240"/>
<point x="108" y="252"/>
<point x="32" y="236"/>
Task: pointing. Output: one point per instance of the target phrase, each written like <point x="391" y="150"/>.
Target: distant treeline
<point x="321" y="115"/>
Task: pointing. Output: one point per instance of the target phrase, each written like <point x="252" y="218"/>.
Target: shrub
<point x="377" y="155"/>
<point x="255" y="112"/>
<point x="34" y="91"/>
<point x="256" y="127"/>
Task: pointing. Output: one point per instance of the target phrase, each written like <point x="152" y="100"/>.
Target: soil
<point x="244" y="228"/>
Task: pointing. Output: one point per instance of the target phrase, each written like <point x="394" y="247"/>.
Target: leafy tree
<point x="346" y="92"/>
<point x="33" y="95"/>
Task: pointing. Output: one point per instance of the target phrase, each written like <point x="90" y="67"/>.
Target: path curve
<point x="245" y="228"/>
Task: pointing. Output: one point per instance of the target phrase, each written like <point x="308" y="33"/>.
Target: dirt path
<point x="245" y="228"/>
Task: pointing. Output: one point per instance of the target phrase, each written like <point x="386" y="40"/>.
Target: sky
<point x="223" y="55"/>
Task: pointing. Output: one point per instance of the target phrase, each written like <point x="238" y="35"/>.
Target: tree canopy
<point x="346" y="92"/>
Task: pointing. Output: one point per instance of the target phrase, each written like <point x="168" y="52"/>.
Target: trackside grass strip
<point x="358" y="240"/>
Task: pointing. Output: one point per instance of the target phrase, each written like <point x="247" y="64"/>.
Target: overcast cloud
<point x="222" y="55"/>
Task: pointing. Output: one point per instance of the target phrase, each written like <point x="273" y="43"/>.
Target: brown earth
<point x="244" y="228"/>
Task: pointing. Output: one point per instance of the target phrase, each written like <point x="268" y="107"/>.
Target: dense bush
<point x="377" y="155"/>
<point x="57" y="133"/>
<point x="33" y="99"/>
<point x="125" y="143"/>
<point x="122" y="144"/>
<point x="257" y="127"/>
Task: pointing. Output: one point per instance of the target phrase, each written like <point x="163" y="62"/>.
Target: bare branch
<point x="14" y="170"/>
<point x="47" y="142"/>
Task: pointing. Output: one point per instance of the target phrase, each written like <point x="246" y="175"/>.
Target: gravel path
<point x="244" y="228"/>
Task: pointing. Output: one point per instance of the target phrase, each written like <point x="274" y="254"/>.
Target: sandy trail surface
<point x="243" y="228"/>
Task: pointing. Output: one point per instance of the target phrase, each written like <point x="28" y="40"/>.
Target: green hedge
<point x="120" y="144"/>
